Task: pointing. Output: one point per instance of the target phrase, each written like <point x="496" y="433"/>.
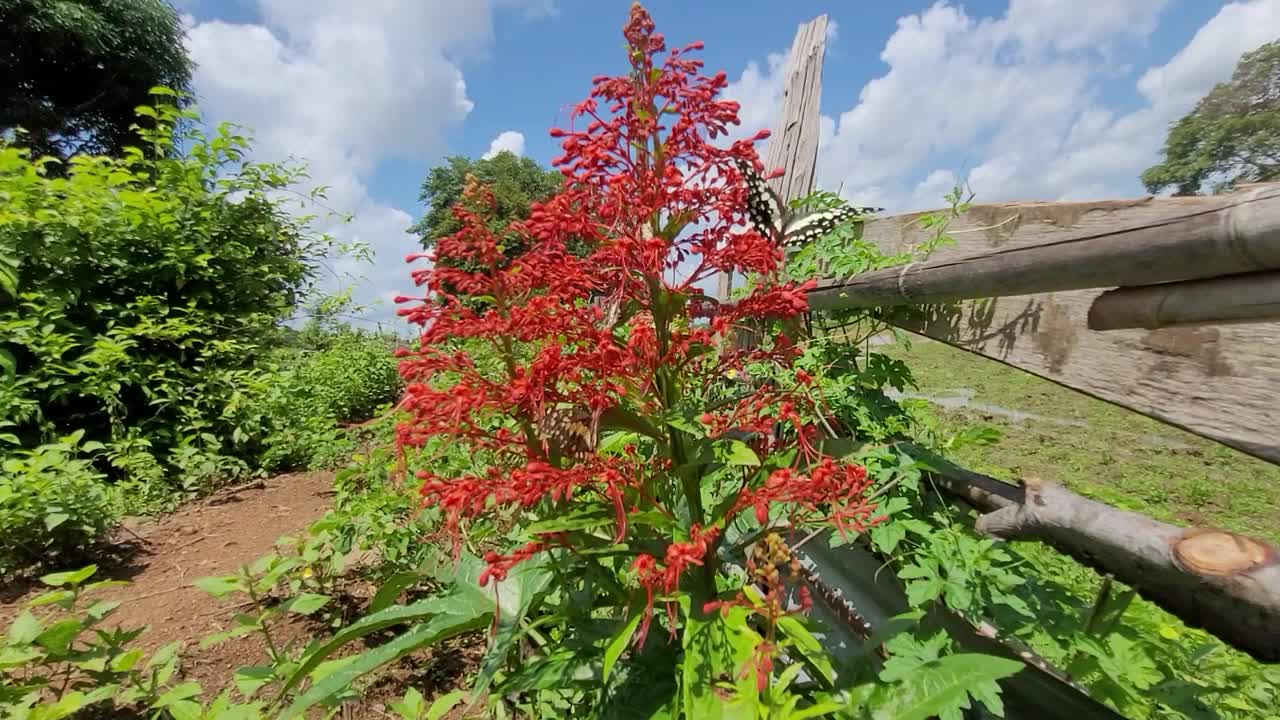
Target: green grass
<point x="1095" y="448"/>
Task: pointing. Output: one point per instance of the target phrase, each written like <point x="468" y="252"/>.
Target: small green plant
<point x="55" y="665"/>
<point x="264" y="587"/>
<point x="54" y="506"/>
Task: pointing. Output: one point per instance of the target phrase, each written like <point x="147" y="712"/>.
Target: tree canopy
<point x="1231" y="136"/>
<point x="516" y="182"/>
<point x="72" y="71"/>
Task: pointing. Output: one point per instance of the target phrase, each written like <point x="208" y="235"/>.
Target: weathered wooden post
<point x="793" y="145"/>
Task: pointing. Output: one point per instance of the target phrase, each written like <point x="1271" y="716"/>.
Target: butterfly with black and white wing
<point x="772" y="218"/>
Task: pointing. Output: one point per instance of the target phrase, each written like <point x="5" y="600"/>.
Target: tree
<point x="72" y="71"/>
<point x="516" y="182"/>
<point x="1232" y="135"/>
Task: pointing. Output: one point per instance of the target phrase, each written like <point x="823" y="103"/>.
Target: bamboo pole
<point x="1236" y="234"/>
<point x="1230" y="299"/>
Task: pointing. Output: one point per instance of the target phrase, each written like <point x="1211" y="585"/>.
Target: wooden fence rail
<point x="1111" y="299"/>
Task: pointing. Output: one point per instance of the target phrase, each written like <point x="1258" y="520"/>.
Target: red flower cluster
<point x="832" y="492"/>
<point x="665" y="577"/>
<point x="509" y="341"/>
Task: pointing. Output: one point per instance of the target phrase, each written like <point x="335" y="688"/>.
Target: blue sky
<point x="1025" y="99"/>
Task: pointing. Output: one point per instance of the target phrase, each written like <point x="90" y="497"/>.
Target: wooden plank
<point x="1216" y="236"/>
<point x="793" y="144"/>
<point x="1218" y="381"/>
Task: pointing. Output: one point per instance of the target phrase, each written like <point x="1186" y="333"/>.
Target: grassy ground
<point x="1093" y="447"/>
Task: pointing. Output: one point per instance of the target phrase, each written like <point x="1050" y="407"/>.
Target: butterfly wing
<point x="806" y="228"/>
<point x="773" y="219"/>
<point x="569" y="432"/>
<point x="764" y="207"/>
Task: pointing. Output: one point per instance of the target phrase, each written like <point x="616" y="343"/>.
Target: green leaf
<point x="619" y="643"/>
<point x="412" y="706"/>
<point x="444" y="704"/>
<point x="218" y="586"/>
<point x="57" y="638"/>
<point x="185" y="691"/>
<point x="560" y="670"/>
<point x="516" y="596"/>
<point x="734" y="452"/>
<point x="811" y="651"/>
<point x="127" y="661"/>
<point x="432" y="631"/>
<point x="463" y="600"/>
<point x="8" y="363"/>
<point x="73" y="577"/>
<point x="53" y="520"/>
<point x="306" y="603"/>
<point x="940" y="686"/>
<point x="716" y="680"/>
<point x="391" y="589"/>
<point x="25" y="629"/>
<point x="52" y="597"/>
<point x="249" y="680"/>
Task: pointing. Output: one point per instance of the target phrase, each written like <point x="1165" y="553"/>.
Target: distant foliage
<point x="72" y="71"/>
<point x="516" y="183"/>
<point x="137" y="293"/>
<point x="1232" y="136"/>
<point x="350" y="379"/>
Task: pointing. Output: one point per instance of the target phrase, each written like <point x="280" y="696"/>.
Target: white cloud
<point x="759" y="92"/>
<point x="508" y="140"/>
<point x="344" y="86"/>
<point x="1012" y="103"/>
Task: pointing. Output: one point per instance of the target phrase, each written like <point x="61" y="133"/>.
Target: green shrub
<point x="348" y="380"/>
<point x="52" y="504"/>
<point x="138" y="293"/>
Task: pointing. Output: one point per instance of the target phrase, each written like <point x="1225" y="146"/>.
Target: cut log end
<point x="1219" y="553"/>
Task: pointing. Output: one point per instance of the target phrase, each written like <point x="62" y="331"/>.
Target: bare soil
<point x="162" y="558"/>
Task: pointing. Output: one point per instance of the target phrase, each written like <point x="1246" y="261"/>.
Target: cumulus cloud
<point x="508" y="140"/>
<point x="344" y="86"/>
<point x="1013" y="104"/>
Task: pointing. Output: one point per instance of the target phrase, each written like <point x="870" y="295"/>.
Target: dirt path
<point x="214" y="536"/>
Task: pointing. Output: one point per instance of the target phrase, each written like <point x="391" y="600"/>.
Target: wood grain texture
<point x="1211" y="237"/>
<point x="1234" y="298"/>
<point x="793" y="142"/>
<point x="1218" y="381"/>
<point x="793" y="146"/>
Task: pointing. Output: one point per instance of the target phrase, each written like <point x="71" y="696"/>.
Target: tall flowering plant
<point x="596" y="385"/>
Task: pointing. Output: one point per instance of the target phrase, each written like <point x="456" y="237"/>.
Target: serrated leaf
<point x="127" y="661"/>
<point x="57" y="638"/>
<point x="941" y="686"/>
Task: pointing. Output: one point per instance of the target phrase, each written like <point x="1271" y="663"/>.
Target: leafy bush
<point x="137" y="293"/>
<point x="52" y="504"/>
<point x="349" y="379"/>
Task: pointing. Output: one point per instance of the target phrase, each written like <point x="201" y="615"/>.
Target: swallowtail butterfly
<point x="773" y="219"/>
<point x="569" y="432"/>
